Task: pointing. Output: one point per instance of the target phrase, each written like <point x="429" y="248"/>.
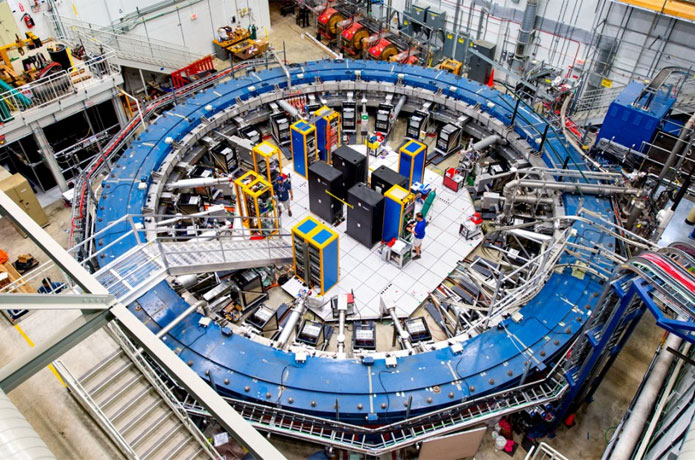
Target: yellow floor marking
<point x="31" y="344"/>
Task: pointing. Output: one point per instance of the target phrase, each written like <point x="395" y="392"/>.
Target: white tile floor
<point x="364" y="272"/>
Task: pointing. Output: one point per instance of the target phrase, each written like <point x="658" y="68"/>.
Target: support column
<point x="49" y="155"/>
<point x="120" y="111"/>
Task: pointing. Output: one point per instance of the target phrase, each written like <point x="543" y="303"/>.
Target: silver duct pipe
<point x="688" y="447"/>
<point x="589" y="189"/>
<point x="646" y="438"/>
<point x="632" y="430"/>
<point x="533" y="199"/>
<point x="284" y="69"/>
<point x="527" y="25"/>
<point x="486" y="142"/>
<point x="341" y="331"/>
<point x="199" y="182"/>
<point x="397" y="109"/>
<point x="194" y="306"/>
<point x="686" y="133"/>
<point x="18" y="440"/>
<point x="294" y="113"/>
<point x="388" y="306"/>
<point x="295" y="316"/>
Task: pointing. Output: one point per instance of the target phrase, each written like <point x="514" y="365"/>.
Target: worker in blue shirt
<point x="418" y="231"/>
<point x="50" y="287"/>
<point x="283" y="191"/>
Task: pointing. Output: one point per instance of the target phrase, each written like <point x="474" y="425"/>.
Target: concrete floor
<point x="71" y="434"/>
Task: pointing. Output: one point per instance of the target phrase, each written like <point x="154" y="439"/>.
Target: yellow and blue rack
<point x="303" y="144"/>
<point x="315" y="251"/>
<point x="412" y="156"/>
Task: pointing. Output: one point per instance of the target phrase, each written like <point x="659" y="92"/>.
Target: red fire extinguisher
<point x="28" y="21"/>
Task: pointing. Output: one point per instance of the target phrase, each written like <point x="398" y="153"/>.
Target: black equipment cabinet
<point x="365" y="216"/>
<point x="383" y="178"/>
<point x="325" y="183"/>
<point x="352" y="164"/>
<point x="417" y="122"/>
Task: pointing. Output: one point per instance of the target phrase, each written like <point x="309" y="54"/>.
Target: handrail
<point x="86" y="401"/>
<point x="386" y="438"/>
<point x="120" y="140"/>
<point x="127" y="46"/>
<point x="141" y="363"/>
<point x="56" y="86"/>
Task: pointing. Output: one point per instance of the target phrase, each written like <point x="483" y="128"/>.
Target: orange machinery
<point x="352" y="38"/>
<point x="328" y="23"/>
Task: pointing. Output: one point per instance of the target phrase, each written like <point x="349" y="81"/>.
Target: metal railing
<point x="136" y="356"/>
<point x="88" y="404"/>
<point x="218" y="228"/>
<point x="395" y="436"/>
<point x="595" y="100"/>
<point x="126" y="46"/>
<point x="57" y="86"/>
<point x="544" y="452"/>
<point x="82" y="202"/>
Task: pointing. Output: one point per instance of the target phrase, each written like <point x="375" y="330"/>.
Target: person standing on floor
<point x="418" y="231"/>
<point x="283" y="191"/>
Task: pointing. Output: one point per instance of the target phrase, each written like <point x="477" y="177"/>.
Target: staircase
<point x="136" y="410"/>
<point x="147" y="264"/>
<point x="131" y="50"/>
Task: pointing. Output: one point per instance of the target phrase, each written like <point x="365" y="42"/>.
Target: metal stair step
<point x="124" y="392"/>
<point x="198" y="455"/>
<point x="100" y="368"/>
<point x="108" y="380"/>
<point x="154" y="435"/>
<point x="149" y="412"/>
<point x="177" y="434"/>
<point x="147" y="427"/>
<point x="121" y="415"/>
<point x="182" y="450"/>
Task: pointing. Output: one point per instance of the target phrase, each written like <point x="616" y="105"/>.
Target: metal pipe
<point x="632" y="430"/>
<point x="646" y="437"/>
<point x="295" y="315"/>
<point x="388" y="306"/>
<point x="17" y="437"/>
<point x="402" y="333"/>
<point x="525" y="29"/>
<point x="284" y="69"/>
<point x="486" y="142"/>
<point x="198" y="182"/>
<point x="686" y="132"/>
<point x="341" y="332"/>
<point x="397" y="109"/>
<point x="287" y="107"/>
<point x="165" y="330"/>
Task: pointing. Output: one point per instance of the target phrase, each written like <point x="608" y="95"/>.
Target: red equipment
<point x="328" y="23"/>
<point x="383" y="50"/>
<point x="189" y="73"/>
<point x="352" y="38"/>
<point x="28" y="21"/>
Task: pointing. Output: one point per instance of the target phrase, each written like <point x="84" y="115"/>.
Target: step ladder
<point x="136" y="410"/>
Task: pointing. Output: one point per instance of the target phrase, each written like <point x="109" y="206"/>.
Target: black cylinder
<point x="59" y="54"/>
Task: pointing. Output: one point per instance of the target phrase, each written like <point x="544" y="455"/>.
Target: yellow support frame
<point x="254" y="187"/>
<point x="264" y="153"/>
